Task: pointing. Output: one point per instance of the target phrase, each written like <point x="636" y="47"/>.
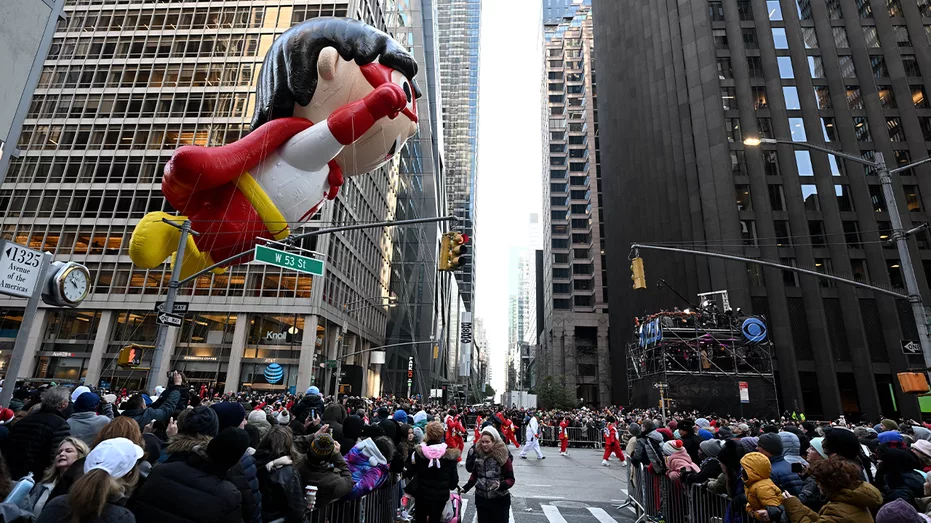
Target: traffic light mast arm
<point x="770" y="264"/>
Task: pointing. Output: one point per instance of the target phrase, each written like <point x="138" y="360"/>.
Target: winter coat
<point x="783" y="476"/>
<point x="302" y="410"/>
<point x="17" y="405"/>
<point x="162" y="412"/>
<point x="282" y="490"/>
<point x="497" y="466"/>
<point x="709" y="469"/>
<point x="245" y="476"/>
<point x="58" y="510"/>
<point x="910" y="488"/>
<point x="86" y="425"/>
<point x="652" y="453"/>
<point x="761" y="491"/>
<point x="368" y="467"/>
<point x="181" y="446"/>
<point x="676" y="462"/>
<point x="333" y="480"/>
<point x="33" y="442"/>
<point x="432" y="481"/>
<point x="334" y="415"/>
<point x="690" y="441"/>
<point x="631" y="446"/>
<point x="791" y="448"/>
<point x="190" y="491"/>
<point x="847" y="506"/>
<point x="811" y="495"/>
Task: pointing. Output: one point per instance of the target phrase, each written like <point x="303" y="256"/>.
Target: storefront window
<point x="67" y="345"/>
<point x="204" y="347"/>
<point x="270" y="359"/>
<point x="9" y="328"/>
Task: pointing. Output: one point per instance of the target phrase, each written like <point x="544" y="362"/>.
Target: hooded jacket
<point x="493" y="473"/>
<point x="332" y="479"/>
<point x="33" y="441"/>
<point x="245" y="476"/>
<point x="782" y="475"/>
<point x="282" y="489"/>
<point x="368" y="467"/>
<point x="86" y="425"/>
<point x="164" y="409"/>
<point x="352" y="431"/>
<point x="679" y="462"/>
<point x="896" y="476"/>
<point x="334" y="415"/>
<point x="433" y="468"/>
<point x="761" y="491"/>
<point x="847" y="506"/>
<point x="791" y="448"/>
<point x="181" y="445"/>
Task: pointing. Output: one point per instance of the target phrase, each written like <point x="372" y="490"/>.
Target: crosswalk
<point x="554" y="513"/>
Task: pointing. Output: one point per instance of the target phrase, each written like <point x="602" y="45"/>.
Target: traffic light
<point x="130" y="356"/>
<point x="637" y="275"/>
<point x="452" y="251"/>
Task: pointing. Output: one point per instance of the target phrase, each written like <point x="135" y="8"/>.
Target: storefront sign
<point x="19" y="269"/>
<point x="62" y="354"/>
<point x="273" y="373"/>
<point x="198" y="358"/>
<point x="276" y="336"/>
<point x="465" y="344"/>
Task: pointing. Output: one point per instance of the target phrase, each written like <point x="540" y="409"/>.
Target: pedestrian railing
<point x="579" y="437"/>
<point x="379" y="506"/>
<point x="662" y="499"/>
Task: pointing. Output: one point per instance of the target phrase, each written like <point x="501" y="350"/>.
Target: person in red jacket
<point x="507" y="430"/>
<point x="564" y="437"/>
<point x="454" y="432"/>
<point x="612" y="443"/>
<point x="478" y="428"/>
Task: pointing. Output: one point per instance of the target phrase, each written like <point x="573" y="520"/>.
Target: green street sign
<point x="287" y="260"/>
<point x="331" y="364"/>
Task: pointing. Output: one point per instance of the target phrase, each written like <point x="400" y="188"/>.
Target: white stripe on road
<point x="510" y="515"/>
<point x="601" y="515"/>
<point x="552" y="514"/>
<point x="464" y="509"/>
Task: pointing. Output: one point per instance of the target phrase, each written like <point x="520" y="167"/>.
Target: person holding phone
<point x="161" y="410"/>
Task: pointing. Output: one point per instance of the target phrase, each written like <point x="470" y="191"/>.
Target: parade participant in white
<point x="533" y="438"/>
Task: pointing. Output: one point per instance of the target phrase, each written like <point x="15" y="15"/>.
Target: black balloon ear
<point x="327" y="62"/>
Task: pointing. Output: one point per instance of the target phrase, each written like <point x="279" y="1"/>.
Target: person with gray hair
<point x="34" y="440"/>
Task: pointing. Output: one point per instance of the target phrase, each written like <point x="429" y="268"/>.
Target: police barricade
<point x="379" y="506"/>
<point x="579" y="437"/>
<point x="661" y="498"/>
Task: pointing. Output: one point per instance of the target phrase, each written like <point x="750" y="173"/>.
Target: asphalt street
<point x="573" y="489"/>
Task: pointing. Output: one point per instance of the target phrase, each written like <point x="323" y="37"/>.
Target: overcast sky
<point x="509" y="160"/>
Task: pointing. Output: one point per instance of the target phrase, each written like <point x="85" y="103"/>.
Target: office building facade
<point x="574" y="342"/>
<point x="124" y="85"/>
<point x="684" y="85"/>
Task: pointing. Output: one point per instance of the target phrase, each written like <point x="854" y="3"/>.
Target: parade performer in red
<point x="478" y="429"/>
<point x="612" y="443"/>
<point x="454" y="432"/>
<point x="564" y="437"/>
<point x="507" y="430"/>
<point x="335" y="98"/>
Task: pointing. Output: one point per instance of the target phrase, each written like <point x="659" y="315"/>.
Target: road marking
<point x="543" y="497"/>
<point x="464" y="507"/>
<point x="538" y="485"/>
<point x="552" y="514"/>
<point x="601" y="515"/>
<point x="510" y="515"/>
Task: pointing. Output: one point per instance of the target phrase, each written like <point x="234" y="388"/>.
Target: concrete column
<point x="101" y="342"/>
<point x="351" y="348"/>
<point x="332" y="350"/>
<point x="604" y="368"/>
<point x="234" y="367"/>
<point x="161" y="374"/>
<point x="305" y="368"/>
<point x="365" y="361"/>
<point x="571" y="369"/>
<point x="33" y="342"/>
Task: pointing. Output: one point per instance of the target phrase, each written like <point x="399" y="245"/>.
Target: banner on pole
<point x="465" y="344"/>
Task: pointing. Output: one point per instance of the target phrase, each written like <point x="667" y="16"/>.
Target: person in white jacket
<point x="533" y="438"/>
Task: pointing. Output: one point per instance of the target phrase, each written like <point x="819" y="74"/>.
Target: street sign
<point x="331" y="364"/>
<point x="19" y="269"/>
<point x="660" y="385"/>
<point x="744" y="389"/>
<point x="180" y="307"/>
<point x="172" y="320"/>
<point x="910" y="347"/>
<point x="288" y="260"/>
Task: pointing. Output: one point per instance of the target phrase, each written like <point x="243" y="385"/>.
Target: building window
<point x="925" y="123"/>
<point x="728" y="98"/>
<point x="835" y="166"/>
<point x="790" y="94"/>
<point x="862" y="129"/>
<point x="844" y="203"/>
<point x="797" y="128"/>
<point x="854" y="100"/>
<point x="886" y="98"/>
<point x="783" y="233"/>
<point x="823" y="96"/>
<point x="830" y="131"/>
<point x="750" y="39"/>
<point x="716" y="11"/>
<point x="810" y="197"/>
<point x="774" y="9"/>
<point x="895" y="8"/>
<point x="738" y="163"/>
<point x="894" y="127"/>
<point x="816" y="66"/>
<point x="871" y="37"/>
<point x="803" y="162"/>
<point x="919" y="98"/>
<point x="720" y="39"/>
<point x="743" y="198"/>
<point x="910" y="63"/>
<point x="823" y="265"/>
<point x="858" y="267"/>
<point x="816" y="231"/>
<point x="770" y="163"/>
<point x="732" y="127"/>
<point x="777" y="198"/>
<point x="758" y="95"/>
<point x="912" y="197"/>
<point x="804" y="9"/>
<point x="748" y="232"/>
<point x="878" y="63"/>
<point x="785" y="67"/>
<point x="852" y="234"/>
<point x="902" y="158"/>
<point x="755" y="275"/>
<point x="810" y="37"/>
<point x="789" y="278"/>
<point x="725" y="72"/>
<point x="744" y="10"/>
<point x="901" y="36"/>
<point x="864" y="9"/>
<point x="765" y="127"/>
<point x="755" y="65"/>
<point x="779" y="38"/>
<point x="840" y="37"/>
<point x="878" y="200"/>
<point x="834" y="10"/>
<point x="895" y="274"/>
<point x="924" y="7"/>
<point x="846" y="67"/>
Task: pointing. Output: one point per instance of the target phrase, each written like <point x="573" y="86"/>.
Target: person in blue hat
<point x="309" y="408"/>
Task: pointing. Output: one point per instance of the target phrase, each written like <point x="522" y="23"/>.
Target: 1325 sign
<point x="23" y="256"/>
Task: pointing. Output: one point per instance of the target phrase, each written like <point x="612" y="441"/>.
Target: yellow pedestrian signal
<point x="636" y="273"/>
<point x="130" y="356"/>
<point x="452" y="251"/>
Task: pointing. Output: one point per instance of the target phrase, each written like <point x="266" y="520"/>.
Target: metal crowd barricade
<point x="579" y="437"/>
<point x="657" y="498"/>
<point x="378" y="506"/>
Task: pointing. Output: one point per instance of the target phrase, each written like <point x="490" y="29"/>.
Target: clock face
<point x="74" y="285"/>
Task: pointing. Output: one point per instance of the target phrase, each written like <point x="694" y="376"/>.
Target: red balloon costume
<point x="335" y="98"/>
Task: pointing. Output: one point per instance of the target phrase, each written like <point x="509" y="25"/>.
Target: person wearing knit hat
<point x="312" y="391"/>
<point x="259" y="420"/>
<point x="888" y="424"/>
<point x="749" y="444"/>
<point x="922" y="450"/>
<point x="724" y="433"/>
<point x="677" y="460"/>
<point x="229" y="414"/>
<point x="76" y="393"/>
<point x="200" y="420"/>
<point x="6" y="415"/>
<point x="702" y="423"/>
<point x="711" y="448"/>
<point x="321" y="449"/>
<point x="284" y="417"/>
<point x="710" y="467"/>
<point x="84" y="422"/>
<point x="742" y="430"/>
<point x="400" y="416"/>
<point x="891" y="438"/>
<point x="325" y="468"/>
<point x="705" y="435"/>
<point x="900" y="511"/>
<point x="770" y="445"/>
<point x="816" y="450"/>
<point x="672" y="446"/>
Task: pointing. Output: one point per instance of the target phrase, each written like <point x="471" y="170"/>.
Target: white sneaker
<point x="624" y="463"/>
<point x="605" y="463"/>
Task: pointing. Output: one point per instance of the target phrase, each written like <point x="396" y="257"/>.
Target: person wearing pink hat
<point x="922" y="450"/>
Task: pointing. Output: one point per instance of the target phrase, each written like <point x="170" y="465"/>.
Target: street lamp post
<point x="898" y="232"/>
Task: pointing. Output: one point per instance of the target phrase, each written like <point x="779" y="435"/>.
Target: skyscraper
<point x="124" y="85"/>
<point x="459" y="31"/>
<point x="574" y="344"/>
<point x="682" y="89"/>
